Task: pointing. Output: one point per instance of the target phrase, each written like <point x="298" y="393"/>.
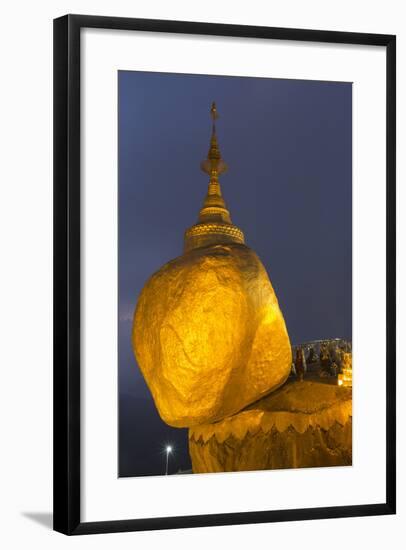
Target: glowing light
<point x="168" y="451"/>
<point x="345" y="379"/>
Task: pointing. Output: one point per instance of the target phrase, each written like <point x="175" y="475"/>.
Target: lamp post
<point x="168" y="450"/>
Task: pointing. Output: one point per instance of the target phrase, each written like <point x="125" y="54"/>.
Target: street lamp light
<point x="168" y="451"/>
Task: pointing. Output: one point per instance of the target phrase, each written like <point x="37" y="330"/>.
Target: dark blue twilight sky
<point x="288" y="146"/>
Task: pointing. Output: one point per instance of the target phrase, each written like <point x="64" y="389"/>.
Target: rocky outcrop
<point x="301" y="425"/>
<point x="209" y="336"/>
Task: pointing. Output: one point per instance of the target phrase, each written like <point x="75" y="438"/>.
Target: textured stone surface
<point x="301" y="425"/>
<point x="209" y="336"/>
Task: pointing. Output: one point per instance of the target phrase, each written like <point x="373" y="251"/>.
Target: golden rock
<point x="209" y="336"/>
<point x="208" y="333"/>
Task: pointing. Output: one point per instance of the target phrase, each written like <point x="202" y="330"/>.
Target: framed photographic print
<point x="224" y="274"/>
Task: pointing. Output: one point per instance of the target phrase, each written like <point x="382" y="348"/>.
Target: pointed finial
<point x="213" y="111"/>
<point x="214" y="164"/>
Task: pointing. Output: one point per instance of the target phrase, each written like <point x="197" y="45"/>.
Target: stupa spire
<point x="214" y="207"/>
<point x="214" y="223"/>
<point x="214" y="165"/>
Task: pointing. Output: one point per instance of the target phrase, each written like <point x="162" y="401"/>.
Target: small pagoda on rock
<point x="345" y="377"/>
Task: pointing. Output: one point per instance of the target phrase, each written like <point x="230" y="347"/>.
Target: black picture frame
<point x="67" y="293"/>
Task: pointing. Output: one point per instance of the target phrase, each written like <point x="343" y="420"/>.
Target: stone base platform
<point x="301" y="425"/>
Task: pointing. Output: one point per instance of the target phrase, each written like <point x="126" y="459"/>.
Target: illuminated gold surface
<point x="303" y="424"/>
<point x="214" y="224"/>
<point x="345" y="379"/>
<point x="209" y="336"/>
<point x="208" y="333"/>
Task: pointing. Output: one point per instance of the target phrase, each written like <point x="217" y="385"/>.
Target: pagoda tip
<point x="213" y="111"/>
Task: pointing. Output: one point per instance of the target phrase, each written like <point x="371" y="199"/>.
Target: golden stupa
<point x="214" y="225"/>
<point x="208" y="334"/>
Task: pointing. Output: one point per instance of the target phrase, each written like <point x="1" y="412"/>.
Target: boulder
<point x="208" y="335"/>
